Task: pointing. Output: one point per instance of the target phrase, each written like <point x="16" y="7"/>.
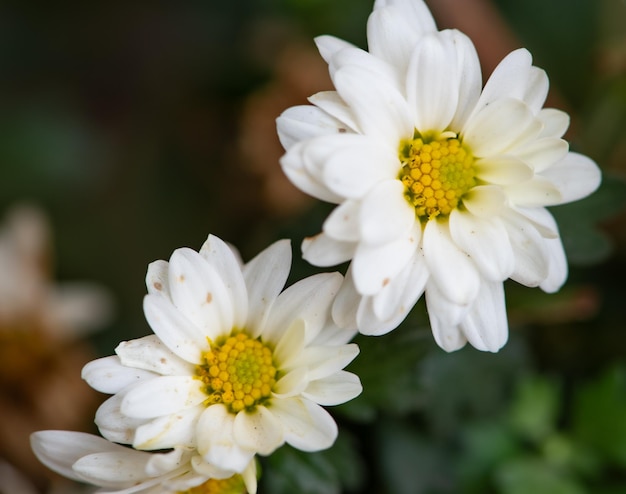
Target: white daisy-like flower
<point x="441" y="188"/>
<point x="120" y="470"/>
<point x="235" y="367"/>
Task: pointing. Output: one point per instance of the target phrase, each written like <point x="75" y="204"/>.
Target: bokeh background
<point x="130" y="129"/>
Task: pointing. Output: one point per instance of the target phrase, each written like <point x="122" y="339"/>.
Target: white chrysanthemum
<point x="236" y="367"/>
<point x="120" y="470"/>
<point x="441" y="188"/>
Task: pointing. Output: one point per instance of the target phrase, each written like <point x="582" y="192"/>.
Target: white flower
<point x="117" y="469"/>
<point x="236" y="367"/>
<point x="441" y="188"/>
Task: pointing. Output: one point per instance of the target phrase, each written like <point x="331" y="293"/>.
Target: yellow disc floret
<point x="231" y="485"/>
<point x="435" y="173"/>
<point x="239" y="373"/>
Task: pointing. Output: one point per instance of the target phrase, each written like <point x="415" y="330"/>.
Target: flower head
<point x="235" y="367"/>
<point x="441" y="187"/>
<point x="118" y="469"/>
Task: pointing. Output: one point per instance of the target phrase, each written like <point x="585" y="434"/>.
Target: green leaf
<point x="331" y="471"/>
<point x="530" y="475"/>
<point x="535" y="408"/>
<point x="600" y="415"/>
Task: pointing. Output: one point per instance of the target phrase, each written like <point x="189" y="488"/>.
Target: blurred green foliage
<point x="122" y="122"/>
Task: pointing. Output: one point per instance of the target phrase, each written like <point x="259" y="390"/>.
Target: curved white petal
<point x="331" y="103"/>
<point x="335" y="389"/>
<point x="288" y="340"/>
<point x="323" y="361"/>
<point x="157" y="279"/>
<point x="200" y="294"/>
<point x="486" y="326"/>
<point x="306" y="425"/>
<point x="342" y="223"/>
<point x="323" y="250"/>
<point x="536" y="90"/>
<point x="485" y="241"/>
<point x="300" y="123"/>
<point x="112" y="424"/>
<point x="346" y="303"/>
<point x="308" y="300"/>
<point x="379" y="108"/>
<point x="447" y="334"/>
<point x="216" y="442"/>
<point x="432" y="83"/>
<point x="385" y="215"/>
<point x="108" y="375"/>
<point x="555" y="122"/>
<point x="485" y="201"/>
<point x="373" y="267"/>
<point x="265" y="277"/>
<point x="575" y="176"/>
<point x="150" y="354"/>
<point x="170" y="430"/>
<point x="258" y="430"/>
<point x="294" y="167"/>
<point x="533" y="193"/>
<point x="112" y="469"/>
<point x="329" y="45"/>
<point x="543" y="153"/>
<point x="502" y="170"/>
<point x="414" y="12"/>
<point x="558" y="270"/>
<point x="228" y="267"/>
<point x="450" y="269"/>
<point x="178" y="333"/>
<point x="502" y="125"/>
<point x="162" y="396"/>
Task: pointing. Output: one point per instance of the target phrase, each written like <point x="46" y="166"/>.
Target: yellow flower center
<point x="435" y="173"/>
<point x="231" y="485"/>
<point x="239" y="373"/>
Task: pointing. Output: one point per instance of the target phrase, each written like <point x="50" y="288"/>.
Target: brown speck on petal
<point x="386" y="281"/>
<point x="158" y="286"/>
<point x="181" y="278"/>
<point x="209" y="298"/>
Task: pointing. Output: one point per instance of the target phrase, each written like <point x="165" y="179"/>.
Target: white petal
<point x="289" y="341"/>
<point x="322" y="250"/>
<point x="346" y="303"/>
<point x="258" y="430"/>
<point x="536" y="89"/>
<point x="486" y="326"/>
<point x="485" y="241"/>
<point x="178" y="333"/>
<point x="575" y="176"/>
<point x="390" y="37"/>
<point x="499" y="127"/>
<point x="108" y="375"/>
<point x="385" y="214"/>
<point x="450" y="268"/>
<point x="216" y="443"/>
<point x="265" y="277"/>
<point x="357" y="57"/>
<point x="432" y="83"/>
<point x="342" y="223"/>
<point x="332" y="104"/>
<point x="112" y="424"/>
<point x="374" y="267"/>
<point x="112" y="469"/>
<point x="449" y="314"/>
<point x="162" y="396"/>
<point x="306" y="425"/>
<point x="291" y="384"/>
<point x="502" y="169"/>
<point x="199" y="293"/>
<point x="354" y="169"/>
<point x="485" y="200"/>
<point x="329" y="45"/>
<point x="530" y="251"/>
<point x="447" y="335"/>
<point x="542" y="220"/>
<point x="323" y="361"/>
<point x="508" y="80"/>
<point x="380" y="110"/>
<point x="228" y="266"/>
<point x="469" y="77"/>
<point x="149" y="353"/>
<point x="557" y="267"/>
<point x="59" y="450"/>
<point x="308" y="300"/>
<point x="157" y="280"/>
<point x="170" y="430"/>
<point x="543" y="153"/>
<point x="555" y="122"/>
<point x="536" y="192"/>
<point x="335" y="389"/>
<point x="300" y="123"/>
<point x="293" y="166"/>
<point x="415" y="14"/>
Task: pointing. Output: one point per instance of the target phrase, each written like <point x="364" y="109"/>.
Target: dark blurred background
<point x="137" y="128"/>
